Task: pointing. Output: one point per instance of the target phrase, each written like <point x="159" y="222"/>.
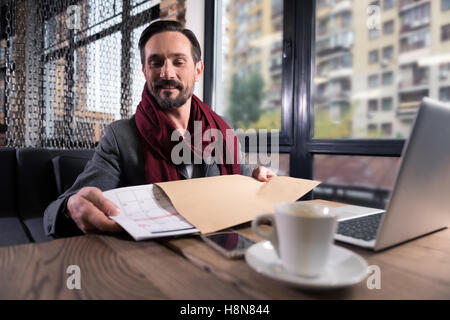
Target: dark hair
<point x="3" y="128"/>
<point x="169" y="25"/>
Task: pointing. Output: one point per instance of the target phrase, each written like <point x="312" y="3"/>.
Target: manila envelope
<point x="215" y="203"/>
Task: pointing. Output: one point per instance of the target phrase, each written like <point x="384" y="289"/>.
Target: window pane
<point x="97" y="85"/>
<point x="248" y="66"/>
<point x="398" y="52"/>
<point x="138" y="6"/>
<point x="137" y="77"/>
<point x="365" y="181"/>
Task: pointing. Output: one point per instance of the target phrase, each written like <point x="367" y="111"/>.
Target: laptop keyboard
<point x="364" y="228"/>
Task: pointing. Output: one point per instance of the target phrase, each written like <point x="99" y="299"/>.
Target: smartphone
<point x="230" y="243"/>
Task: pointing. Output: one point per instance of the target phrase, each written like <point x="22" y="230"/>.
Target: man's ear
<point x="198" y="70"/>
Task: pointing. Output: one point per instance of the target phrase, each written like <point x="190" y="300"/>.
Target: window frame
<point x="286" y="134"/>
<point x="300" y="24"/>
<point x="125" y="27"/>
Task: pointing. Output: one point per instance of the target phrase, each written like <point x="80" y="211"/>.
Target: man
<point x="139" y="150"/>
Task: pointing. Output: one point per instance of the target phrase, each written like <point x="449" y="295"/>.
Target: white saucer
<point x="344" y="268"/>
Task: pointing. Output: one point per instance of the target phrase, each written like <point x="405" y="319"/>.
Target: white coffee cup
<point x="301" y="234"/>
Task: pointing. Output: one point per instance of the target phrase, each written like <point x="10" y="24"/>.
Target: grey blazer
<point x="117" y="162"/>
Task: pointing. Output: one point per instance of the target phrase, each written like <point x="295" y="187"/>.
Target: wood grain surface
<point x="117" y="267"/>
<point x="418" y="269"/>
<point x="111" y="268"/>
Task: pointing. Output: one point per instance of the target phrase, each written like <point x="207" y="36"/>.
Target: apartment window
<point x="445" y="5"/>
<point x="373" y="81"/>
<point x="322" y="27"/>
<point x="444" y="94"/>
<point x="388" y="4"/>
<point x="444" y="71"/>
<point x="372" y="105"/>
<point x="445" y="32"/>
<point x="412" y="75"/>
<point x="388" y="52"/>
<point x="415" y="17"/>
<point x="388" y="27"/>
<point x="239" y="75"/>
<point x="372" y="129"/>
<point x="374" y="33"/>
<point x="373" y="56"/>
<point x="346" y="20"/>
<point x="386" y="104"/>
<point x="386" y="129"/>
<point x="387" y="78"/>
<point x="415" y="40"/>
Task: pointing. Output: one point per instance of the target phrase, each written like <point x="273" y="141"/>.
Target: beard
<point x="167" y="101"/>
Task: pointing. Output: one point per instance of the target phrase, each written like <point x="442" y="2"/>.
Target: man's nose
<point x="167" y="71"/>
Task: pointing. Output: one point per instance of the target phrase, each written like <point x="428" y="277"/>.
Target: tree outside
<point x="246" y="96"/>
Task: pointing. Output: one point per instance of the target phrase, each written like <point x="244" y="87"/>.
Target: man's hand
<point x="262" y="173"/>
<point x="89" y="209"/>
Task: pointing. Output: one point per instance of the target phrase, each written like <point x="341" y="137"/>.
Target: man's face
<point x="169" y="69"/>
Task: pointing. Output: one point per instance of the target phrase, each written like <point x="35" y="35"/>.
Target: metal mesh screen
<point x="71" y="68"/>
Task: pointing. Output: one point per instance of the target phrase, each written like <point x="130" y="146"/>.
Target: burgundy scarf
<point x="156" y="129"/>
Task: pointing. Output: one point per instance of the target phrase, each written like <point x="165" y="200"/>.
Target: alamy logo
<point x="74" y="280"/>
<point x="73" y="17"/>
<point x="374" y="18"/>
<point x="214" y="139"/>
<point x="374" y="280"/>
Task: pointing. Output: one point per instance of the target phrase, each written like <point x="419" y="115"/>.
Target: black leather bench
<point x="12" y="230"/>
<point x="31" y="179"/>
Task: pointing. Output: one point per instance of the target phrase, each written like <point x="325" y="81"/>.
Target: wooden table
<point x="116" y="267"/>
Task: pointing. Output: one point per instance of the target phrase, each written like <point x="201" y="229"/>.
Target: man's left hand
<point x="262" y="173"/>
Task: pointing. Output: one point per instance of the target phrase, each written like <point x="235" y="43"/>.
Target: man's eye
<point x="155" y="64"/>
<point x="178" y="62"/>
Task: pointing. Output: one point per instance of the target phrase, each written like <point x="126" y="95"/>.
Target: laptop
<point x="420" y="200"/>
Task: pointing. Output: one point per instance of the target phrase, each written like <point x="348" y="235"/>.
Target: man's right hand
<point x="89" y="209"/>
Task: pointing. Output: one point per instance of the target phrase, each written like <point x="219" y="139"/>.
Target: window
<point x="388" y="4"/>
<point x="401" y="67"/>
<point x="373" y="105"/>
<point x="415" y="17"/>
<point x="387" y="78"/>
<point x="444" y="71"/>
<point x="388" y="53"/>
<point x="415" y="40"/>
<point x="358" y="180"/>
<point x="386" y="129"/>
<point x="249" y="63"/>
<point x="386" y="104"/>
<point x="445" y="32"/>
<point x="88" y="64"/>
<point x="373" y="81"/>
<point x="334" y="108"/>
<point x="372" y="129"/>
<point x="374" y="33"/>
<point x="444" y="94"/>
<point x="388" y="27"/>
<point x="373" y="56"/>
<point x="445" y="5"/>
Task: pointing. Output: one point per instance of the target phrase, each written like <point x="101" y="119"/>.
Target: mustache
<point x="162" y="83"/>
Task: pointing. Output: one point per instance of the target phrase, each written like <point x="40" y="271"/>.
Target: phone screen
<point x="230" y="241"/>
